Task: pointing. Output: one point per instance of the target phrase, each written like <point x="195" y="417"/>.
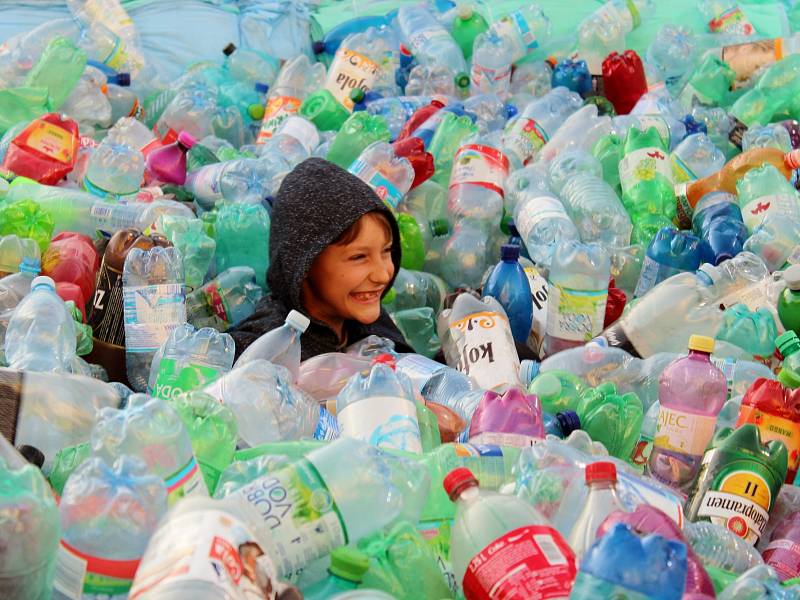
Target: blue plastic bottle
<point x="670" y="252"/>
<point x="622" y="565"/>
<point x="509" y="285"/>
<point x="573" y="75"/>
<point x="718" y="220"/>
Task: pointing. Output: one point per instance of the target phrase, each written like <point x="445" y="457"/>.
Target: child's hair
<point x="351" y="233"/>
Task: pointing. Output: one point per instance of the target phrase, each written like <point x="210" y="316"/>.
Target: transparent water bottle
<point x="225" y="301"/>
<point x="491" y="65"/>
<point x="696" y="157"/>
<point x="476" y="181"/>
<point x="526" y="29"/>
<point x="764" y="191"/>
<point x="466" y="254"/>
<point x="281" y="346"/>
<point x="114" y="170"/>
<point x="596" y="210"/>
<point x="429" y="42"/>
<point x="568" y="165"/>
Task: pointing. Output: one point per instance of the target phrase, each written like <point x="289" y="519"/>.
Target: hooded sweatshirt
<point x="315" y="204"/>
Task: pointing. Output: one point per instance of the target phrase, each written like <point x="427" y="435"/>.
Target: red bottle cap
<point x="601" y="471"/>
<point x="385" y="359"/>
<point x="457" y="481"/>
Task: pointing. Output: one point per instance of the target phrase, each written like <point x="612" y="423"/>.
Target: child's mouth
<point x="366" y="297"/>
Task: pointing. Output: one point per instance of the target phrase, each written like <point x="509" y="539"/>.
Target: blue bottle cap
<point x="568" y="421"/>
<point x="509" y="252"/>
<point x="261" y="88"/>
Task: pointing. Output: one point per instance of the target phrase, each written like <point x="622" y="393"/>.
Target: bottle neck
<point x="700" y="355"/>
<point x="603" y="486"/>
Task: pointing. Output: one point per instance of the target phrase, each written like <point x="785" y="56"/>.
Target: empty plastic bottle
<point x="114" y="170"/>
<point x="245" y="180"/>
<point x="573" y="75"/>
<point x="196" y="248"/>
<point x="601" y="479"/>
<point x="281" y="346"/>
<point x="596" y="210"/>
<point x="348" y="566"/>
<point x="781" y="554"/>
<point x="154" y="302"/>
<point x="385" y="172"/>
<point x="526" y="28"/>
<point x="108" y="513"/>
<point x="14" y="287"/>
<point x="397" y="110"/>
<point x="718" y="221"/>
<point x="429" y="42"/>
<point x="726" y="16"/>
<point x="604" y="30"/>
<point x="358" y="64"/>
<point x="764" y="191"/>
<point x="476" y="182"/>
<point x="14" y="251"/>
<point x="774" y="240"/>
<point x="695" y="157"/>
<point x="465" y="256"/>
<point x="191" y="110"/>
<point x="491" y="65"/>
<point x="168" y="163"/>
<point x="611" y="418"/>
<point x="225" y="301"/>
<point x="670" y="252"/>
<point x="242" y="235"/>
<point x="509" y="285"/>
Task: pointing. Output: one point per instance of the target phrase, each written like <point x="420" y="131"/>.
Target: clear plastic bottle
<point x="114" y="170"/>
<point x="601" y="479"/>
<point x="526" y="28"/>
<point x="17" y="251"/>
<point x="245" y="180"/>
<point x="389" y="175"/>
<point x="465" y="256"/>
<point x="154" y="303"/>
<point x="429" y="42"/>
<point x="695" y="157"/>
<point x="192" y="110"/>
<point x="280" y="346"/>
<point x="764" y="191"/>
<point x="491" y="65"/>
<point x="605" y="29"/>
<point x="720" y="548"/>
<point x="596" y="210"/>
<point x="225" y="301"/>
<point x="726" y="17"/>
<point x="476" y="181"/>
<point x="130" y="132"/>
<point x="41" y="331"/>
<point x="570" y="164"/>
<point x="14" y="287"/>
<point x="358" y="64"/>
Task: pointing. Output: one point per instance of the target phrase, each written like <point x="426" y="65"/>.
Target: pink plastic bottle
<point x="783" y="552"/>
<point x="168" y="163"/>
<point x="691" y="393"/>
<point x="511" y="419"/>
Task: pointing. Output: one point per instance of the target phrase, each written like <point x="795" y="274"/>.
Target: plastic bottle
<point x="604" y="30"/>
<point x="561" y="424"/>
<point x="788" y="345"/>
<point x="573" y="75"/>
<point x="725" y="16"/>
<point x="601" y="479"/>
<point x="397" y="111"/>
<point x="225" y="301"/>
<point x="280" y="346"/>
<point x="246" y="180"/>
<point x="101" y="544"/>
<point x="41" y="333"/>
<point x="671" y="251"/>
<point x="154" y="303"/>
<point x="487" y="520"/>
<point x="762" y="191"/>
<point x="346" y="572"/>
<point x="611" y="418"/>
<point x="512" y="418"/>
<point x="774" y="240"/>
<point x="384" y="171"/>
<point x="14" y="251"/>
<point x="467" y="25"/>
<point x="465" y="256"/>
<point x="781" y="554"/>
<point x="477" y="341"/>
<point x="45" y="151"/>
<point x="28" y="564"/>
<point x="491" y="65"/>
<point x="718" y="220"/>
<point x="624" y="81"/>
<point x="191" y="110"/>
<point x="596" y="210"/>
<point x="526" y="28"/>
<point x="789" y="300"/>
<point x="72" y="258"/>
<point x="358" y="64"/>
<point x="150" y="430"/>
<point x="114" y="170"/>
<point x="14" y="287"/>
<point x="242" y="235"/>
<point x="476" y="182"/>
<point x="508" y="284"/>
<point x="168" y="163"/>
<point x="721" y="548"/>
<point x="695" y="157"/>
<point x="578" y="290"/>
<point x="429" y="42"/>
<point x="691" y="393"/>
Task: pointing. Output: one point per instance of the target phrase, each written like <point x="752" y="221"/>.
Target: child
<point x="334" y="251"/>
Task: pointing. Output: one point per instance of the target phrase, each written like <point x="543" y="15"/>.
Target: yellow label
<point x="51" y="140"/>
<point x="683" y="432"/>
<point x="350" y="70"/>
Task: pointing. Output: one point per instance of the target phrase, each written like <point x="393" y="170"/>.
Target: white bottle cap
<point x="792" y="277"/>
<point x="302" y="130"/>
<point x="43" y="280"/>
<point x="297" y="320"/>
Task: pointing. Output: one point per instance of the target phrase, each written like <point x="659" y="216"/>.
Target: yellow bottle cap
<point x="701" y="343"/>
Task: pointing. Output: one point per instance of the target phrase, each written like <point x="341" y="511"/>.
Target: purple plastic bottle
<point x="511" y="419"/>
<point x="691" y="393"/>
<point x="168" y="163"/>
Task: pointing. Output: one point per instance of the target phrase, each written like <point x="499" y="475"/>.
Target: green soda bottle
<point x="709" y="84"/>
<point x="788" y="344"/>
<point x="411" y="242"/>
<point x="26" y="219"/>
<point x="59" y="68"/>
<point x="611" y="418"/>
<point x="738" y="482"/>
<point x="348" y="566"/>
<point x="359" y="131"/>
<point x="645" y="174"/>
<point x="22" y="105"/>
<point x="765" y="191"/>
<point x="789" y="301"/>
<point x="446" y="142"/>
<point x="468" y="25"/>
<point x="608" y="150"/>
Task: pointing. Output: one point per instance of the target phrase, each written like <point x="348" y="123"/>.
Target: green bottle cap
<point x="256" y="111"/>
<point x="462" y="81"/>
<point x="357" y="95"/>
<point x="349" y="563"/>
<point x="789" y="379"/>
<point x="787" y="343"/>
<point x="439" y="227"/>
<point x="322" y="109"/>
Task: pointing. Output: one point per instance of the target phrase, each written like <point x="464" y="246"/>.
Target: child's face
<point x="347" y="281"/>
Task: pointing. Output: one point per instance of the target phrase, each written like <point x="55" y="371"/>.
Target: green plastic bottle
<point x="322" y="109"/>
<point x="558" y="391"/>
<point x="709" y="84"/>
<point x="418" y="326"/>
<point x="445" y="142"/>
<point x="645" y="175"/>
<point x="611" y="418"/>
<point x="608" y="150"/>
<point x="359" y="131"/>
<point x="59" y="68"/>
<point x="765" y="191"/>
<point x="738" y="482"/>
<point x="788" y="344"/>
<point x="467" y="25"/>
<point x="348" y="566"/>
<point x="26" y="219"/>
<point x="789" y="300"/>
<point x="411" y="242"/>
<point x="65" y="462"/>
<point x="22" y="104"/>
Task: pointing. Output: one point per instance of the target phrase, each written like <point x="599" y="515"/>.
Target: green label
<point x="175" y="378"/>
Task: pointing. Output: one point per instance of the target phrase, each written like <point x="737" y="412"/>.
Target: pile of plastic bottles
<point x="599" y="278"/>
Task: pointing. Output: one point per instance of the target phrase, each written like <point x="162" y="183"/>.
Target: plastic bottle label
<point x="175" y="378"/>
<point x="633" y="491"/>
<point x="78" y="573"/>
<point x="105" y="315"/>
<point x="485" y="349"/>
<point x="327" y="427"/>
<point x="754" y="212"/>
<point x="784" y="556"/>
<point x="652" y="273"/>
<point x="350" y="70"/>
<point x="748" y="58"/>
<point x="575" y="315"/>
<point x="732" y="20"/>
<point x="151" y="313"/>
<point x="113" y="217"/>
<point x="773" y="427"/>
<point x="216" y="304"/>
<point x="211" y="547"/>
<point x="296" y="513"/>
<point x="384" y="188"/>
<point x="645" y="164"/>
<point x="279" y="108"/>
<point x="53" y="141"/>
<point x="681" y="172"/>
<point x="540" y="209"/>
<point x="740" y="504"/>
<point x="660" y="125"/>
<point x="476" y="164"/>
<point x="683" y="432"/>
<point x="525" y="137"/>
<point x="486" y="80"/>
<point x="528" y="562"/>
<point x="539" y="292"/>
<point x="185" y="482"/>
<point x="383" y="421"/>
<point x="514" y="440"/>
<point x="515" y="26"/>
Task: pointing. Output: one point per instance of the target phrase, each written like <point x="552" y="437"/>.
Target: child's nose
<point x="382" y="273"/>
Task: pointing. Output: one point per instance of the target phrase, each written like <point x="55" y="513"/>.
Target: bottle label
<point x="589" y="587"/>
<point x="185" y="482"/>
<point x="53" y="141"/>
<point x="528" y="562"/>
<point x="525" y="137"/>
<point x="748" y="58"/>
<point x="784" y="556"/>
<point x="485" y="349"/>
<point x="515" y="26"/>
<point x="211" y="547"/>
<point x="296" y="515"/>
<point x="78" y="573"/>
<point x="327" y="427"/>
<point x="539" y="291"/>
<point x="727" y="366"/>
<point x="151" y="313"/>
<point x="575" y="315"/>
<point x="652" y="273"/>
<point x="740" y="504"/>
<point x="176" y="377"/>
<point x="681" y="172"/>
<point x="645" y="164"/>
<point x="105" y="315"/>
<point x="683" y="432"/>
<point x="216" y="303"/>
<point x="278" y="109"/>
<point x="113" y="217"/>
<point x="754" y="212"/>
<point x="660" y="125"/>
<point x="732" y="20"/>
<point x="350" y="70"/>
<point x="513" y="440"/>
<point x="641" y="452"/>
<point x="383" y="421"/>
<point x="773" y="427"/>
<point x="384" y="188"/>
<point x="633" y="491"/>
<point x="487" y="81"/>
<point x="481" y="165"/>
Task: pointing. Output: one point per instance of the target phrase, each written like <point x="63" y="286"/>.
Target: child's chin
<point x="367" y="315"/>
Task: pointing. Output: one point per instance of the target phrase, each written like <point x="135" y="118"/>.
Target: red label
<point x="528" y="563"/>
<point x="215" y="301"/>
<point x="784" y="557"/>
<point x="224" y="552"/>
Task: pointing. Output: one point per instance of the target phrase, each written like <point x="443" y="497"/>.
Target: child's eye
<point x="387" y="250"/>
<point x="357" y="257"/>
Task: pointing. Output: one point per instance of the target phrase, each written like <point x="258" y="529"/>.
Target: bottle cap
<point x="349" y="563"/>
<point x="298" y="320"/>
<point x="322" y="109"/>
<point x="458" y="480"/>
<point x="701" y="343"/>
<point x="229" y="49"/>
<point x="439" y="227"/>
<point x="385" y="359"/>
<point x="601" y="471"/>
<point x="792" y="278"/>
<point x="786" y="342"/>
<point x="789" y="379"/>
<point x="511" y="111"/>
<point x="509" y="252"/>
<point x="465" y="12"/>
<point x="30" y="265"/>
<point x="357" y="95"/>
<point x="256" y="112"/>
<point x="43" y="280"/>
<point x="462" y="81"/>
<point x="261" y="88"/>
<point x="124" y="79"/>
<point x="318" y="47"/>
<point x="186" y="139"/>
<point x="569" y="422"/>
